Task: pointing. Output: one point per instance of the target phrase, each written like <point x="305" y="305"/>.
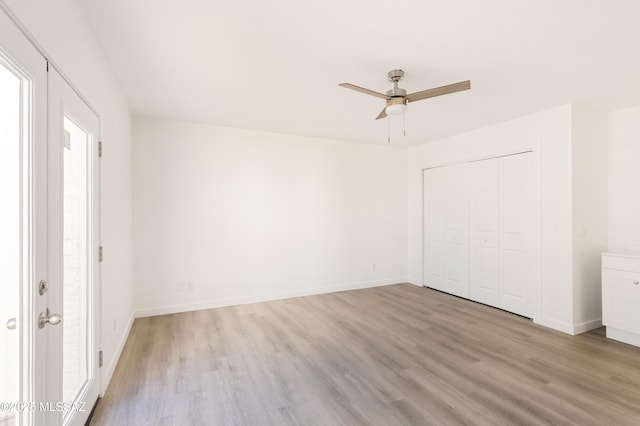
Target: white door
<point x="23" y="226"/>
<point x="434" y="192"/>
<point x="446" y="226"/>
<point x="479" y="232"/>
<point x="456" y="234"/>
<point x="516" y="209"/>
<point x="484" y="234"/>
<point x="72" y="369"/>
<point x="48" y="241"/>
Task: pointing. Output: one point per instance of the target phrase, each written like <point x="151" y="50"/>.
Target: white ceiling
<point x="275" y="65"/>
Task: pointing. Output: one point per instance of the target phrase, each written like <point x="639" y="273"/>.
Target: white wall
<point x="624" y="180"/>
<point x="589" y="212"/>
<point x="61" y="29"/>
<point x="549" y="133"/>
<point x="247" y="215"/>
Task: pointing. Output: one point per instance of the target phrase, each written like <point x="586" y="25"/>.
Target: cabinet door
<point x="621" y="300"/>
<point x="515" y="234"/>
<point x="484" y="233"/>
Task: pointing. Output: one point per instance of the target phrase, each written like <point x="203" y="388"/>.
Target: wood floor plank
<point x="390" y="355"/>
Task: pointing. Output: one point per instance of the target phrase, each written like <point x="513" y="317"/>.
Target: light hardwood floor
<point x="390" y="355"/>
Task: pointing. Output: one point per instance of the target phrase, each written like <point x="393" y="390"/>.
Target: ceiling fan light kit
<point x="396" y="106"/>
<point x="396" y="109"/>
<point x="397" y="99"/>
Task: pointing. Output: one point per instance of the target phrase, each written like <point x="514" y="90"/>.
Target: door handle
<point x="12" y="323"/>
<point x="46" y="318"/>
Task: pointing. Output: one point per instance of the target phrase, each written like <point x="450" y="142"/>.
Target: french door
<point x="48" y="239"/>
<point x="23" y="226"/>
<point x="72" y="359"/>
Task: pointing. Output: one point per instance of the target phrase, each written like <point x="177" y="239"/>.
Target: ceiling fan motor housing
<point x="397" y="100"/>
<point x="395" y="76"/>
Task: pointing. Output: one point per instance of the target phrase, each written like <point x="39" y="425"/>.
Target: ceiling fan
<point x="397" y="98"/>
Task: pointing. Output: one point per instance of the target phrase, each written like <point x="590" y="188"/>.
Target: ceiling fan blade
<point x="363" y="90"/>
<point x="382" y="114"/>
<point x="439" y="91"/>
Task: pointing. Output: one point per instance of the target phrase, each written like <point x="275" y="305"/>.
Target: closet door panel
<point x="513" y="279"/>
<point x="434" y="229"/>
<point x="484" y="233"/>
<point x="515" y="241"/>
<point x="456" y="219"/>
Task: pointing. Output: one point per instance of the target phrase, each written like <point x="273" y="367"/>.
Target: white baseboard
<point x="569" y="328"/>
<point x="587" y="326"/>
<point x="108" y="372"/>
<point x="556" y="325"/>
<point x="244" y="300"/>
<point x="623" y="336"/>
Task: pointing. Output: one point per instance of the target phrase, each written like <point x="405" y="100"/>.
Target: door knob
<point x="11" y="324"/>
<point x="46" y="318"/>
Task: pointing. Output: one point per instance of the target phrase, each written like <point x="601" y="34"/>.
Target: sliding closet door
<point x="446" y="229"/>
<point x="434" y="192"/>
<point x="480" y="227"/>
<point x="456" y="235"/>
<point x="484" y="253"/>
<point x="516" y="211"/>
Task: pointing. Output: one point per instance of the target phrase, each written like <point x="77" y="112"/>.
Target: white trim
<point x="623" y="336"/>
<point x="507" y="153"/>
<point x="481" y="158"/>
<point x="554" y="324"/>
<point x="630" y="255"/>
<point x="587" y="326"/>
<point x="108" y="372"/>
<point x="243" y="300"/>
<point x="23" y="29"/>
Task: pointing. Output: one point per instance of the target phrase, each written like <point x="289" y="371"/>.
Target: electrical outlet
<point x="186" y="286"/>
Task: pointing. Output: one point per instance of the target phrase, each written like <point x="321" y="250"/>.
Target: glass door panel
<point x="75" y="268"/>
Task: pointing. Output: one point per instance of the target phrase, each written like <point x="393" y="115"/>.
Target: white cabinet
<point x="621" y="297"/>
<point x="478" y="232"/>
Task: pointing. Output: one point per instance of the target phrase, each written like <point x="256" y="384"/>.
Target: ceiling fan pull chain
<point x="388" y="129"/>
<point x="404" y="124"/>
